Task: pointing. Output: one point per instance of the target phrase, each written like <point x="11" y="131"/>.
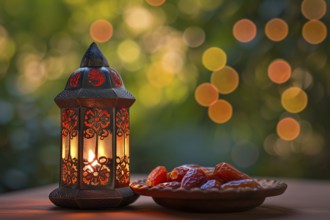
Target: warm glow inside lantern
<point x="94" y="105"/>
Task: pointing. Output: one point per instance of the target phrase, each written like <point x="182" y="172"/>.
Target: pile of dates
<point x="222" y="176"/>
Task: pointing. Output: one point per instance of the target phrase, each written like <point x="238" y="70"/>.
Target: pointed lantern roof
<point x="94" y="84"/>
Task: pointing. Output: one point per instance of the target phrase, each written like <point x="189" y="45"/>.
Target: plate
<point x="213" y="200"/>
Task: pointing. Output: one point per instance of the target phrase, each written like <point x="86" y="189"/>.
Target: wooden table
<point x="304" y="199"/>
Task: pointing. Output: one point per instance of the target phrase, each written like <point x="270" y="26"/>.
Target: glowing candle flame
<point x="91" y="156"/>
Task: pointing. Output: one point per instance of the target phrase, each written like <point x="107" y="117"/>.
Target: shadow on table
<point x="151" y="211"/>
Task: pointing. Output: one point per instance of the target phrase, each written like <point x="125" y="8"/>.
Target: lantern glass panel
<point x="69" y="161"/>
<point x="97" y="151"/>
<point x="122" y="142"/>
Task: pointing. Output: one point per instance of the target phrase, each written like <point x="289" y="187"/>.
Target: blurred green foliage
<point x="42" y="42"/>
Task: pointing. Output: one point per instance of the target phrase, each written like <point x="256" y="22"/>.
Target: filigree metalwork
<point x="122" y="122"/>
<point x="97" y="171"/>
<point x="69" y="123"/>
<point x="122" y="171"/>
<point x="69" y="171"/>
<point x="96" y="122"/>
<point x="95" y="77"/>
<point x="115" y="78"/>
<point x="74" y="80"/>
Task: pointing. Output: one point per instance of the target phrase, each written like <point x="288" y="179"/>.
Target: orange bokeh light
<point x="221" y="111"/>
<point x="314" y="32"/>
<point x="225" y="79"/>
<point x="313" y="9"/>
<point x="288" y="129"/>
<point x="279" y="71"/>
<point x="101" y="30"/>
<point x="155" y="2"/>
<point x="206" y="94"/>
<point x="294" y="99"/>
<point x="276" y="29"/>
<point x="244" y="30"/>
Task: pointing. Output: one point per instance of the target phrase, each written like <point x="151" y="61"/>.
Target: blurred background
<point x="241" y="81"/>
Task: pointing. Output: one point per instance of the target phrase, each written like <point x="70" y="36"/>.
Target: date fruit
<point x="156" y="176"/>
<point x="173" y="185"/>
<point x="211" y="184"/>
<point x="193" y="178"/>
<point x="226" y="172"/>
<point x="240" y="183"/>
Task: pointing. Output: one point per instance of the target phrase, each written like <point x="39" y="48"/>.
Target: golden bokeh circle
<point x="214" y="58"/>
<point x="279" y="71"/>
<point x="314" y="32"/>
<point x="220" y="112"/>
<point x="276" y="29"/>
<point x="244" y="30"/>
<point x="101" y="30"/>
<point x="288" y="129"/>
<point x="294" y="99"/>
<point x="226" y="80"/>
<point x="206" y="94"/>
<point x="313" y="9"/>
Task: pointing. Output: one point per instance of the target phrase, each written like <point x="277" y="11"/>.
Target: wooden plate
<point x="214" y="200"/>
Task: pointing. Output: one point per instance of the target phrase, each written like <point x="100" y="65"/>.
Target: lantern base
<point x="92" y="199"/>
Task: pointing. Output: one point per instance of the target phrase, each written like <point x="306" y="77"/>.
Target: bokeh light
<point x="313" y="9"/>
<point x="220" y="112"/>
<point x="314" y="32"/>
<point x="288" y="129"/>
<point x="294" y="99"/>
<point x="279" y="71"/>
<point x="155" y="2"/>
<point x="244" y="30"/>
<point x="214" y="58"/>
<point x="302" y="78"/>
<point x="138" y="19"/>
<point x="101" y="30"/>
<point x="193" y="36"/>
<point x="206" y="94"/>
<point x="276" y="29"/>
<point x="128" y="51"/>
<point x="226" y="79"/>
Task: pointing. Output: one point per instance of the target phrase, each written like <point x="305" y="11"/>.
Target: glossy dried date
<point x="156" y="176"/>
<point x="193" y="178"/>
<point x="226" y="172"/>
<point x="250" y="183"/>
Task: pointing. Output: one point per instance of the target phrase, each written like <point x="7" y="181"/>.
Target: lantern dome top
<point x="94" y="84"/>
<point x="93" y="57"/>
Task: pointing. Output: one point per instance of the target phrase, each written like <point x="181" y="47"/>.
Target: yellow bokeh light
<point x="220" y="112"/>
<point x="279" y="71"/>
<point x="276" y="29"/>
<point x="128" y="51"/>
<point x="155" y="2"/>
<point x="101" y="30"/>
<point x="314" y="32"/>
<point x="294" y="99"/>
<point x="214" y="58"/>
<point x="313" y="9"/>
<point x="138" y="19"/>
<point x="206" y="94"/>
<point x="158" y="76"/>
<point x="226" y="80"/>
<point x="288" y="129"/>
<point x="244" y="30"/>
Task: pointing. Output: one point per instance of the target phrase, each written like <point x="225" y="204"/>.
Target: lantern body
<point x="95" y="131"/>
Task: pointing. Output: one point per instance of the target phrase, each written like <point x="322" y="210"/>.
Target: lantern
<point x="95" y="132"/>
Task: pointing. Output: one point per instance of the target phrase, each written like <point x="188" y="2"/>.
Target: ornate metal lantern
<point x="94" y="105"/>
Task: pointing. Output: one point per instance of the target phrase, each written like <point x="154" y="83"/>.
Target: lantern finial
<point x="93" y="57"/>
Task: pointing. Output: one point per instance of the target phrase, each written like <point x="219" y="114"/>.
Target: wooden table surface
<point x="304" y="199"/>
